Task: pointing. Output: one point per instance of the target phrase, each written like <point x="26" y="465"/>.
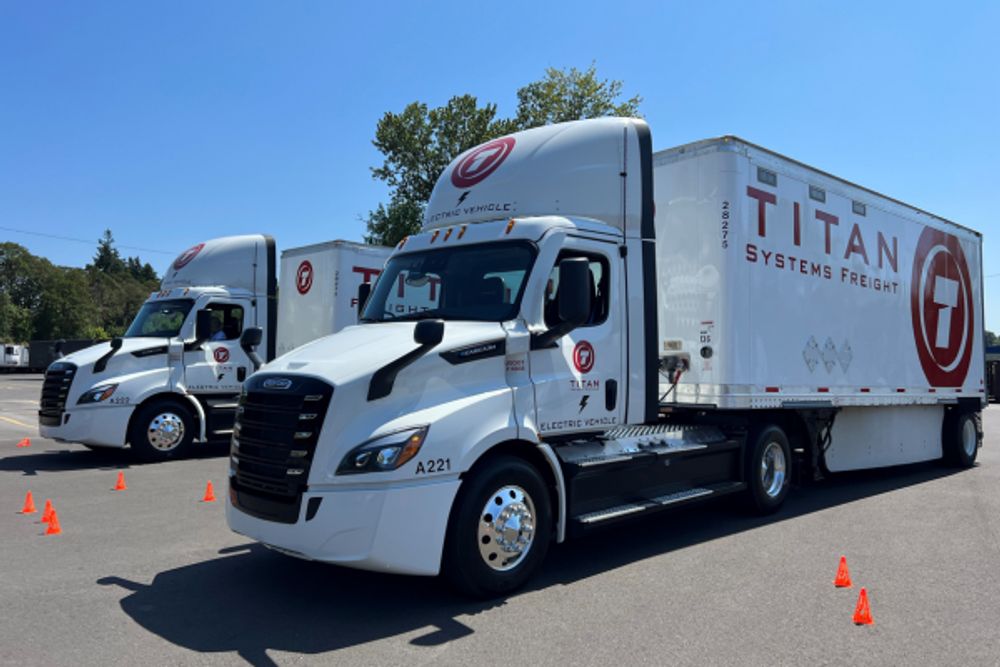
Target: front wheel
<point x="768" y="468"/>
<point x="162" y="431"/>
<point x="500" y="529"/>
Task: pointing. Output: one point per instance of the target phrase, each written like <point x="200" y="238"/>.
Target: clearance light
<point x="435" y="235"/>
<point x="387" y="452"/>
<point x="510" y="226"/>
<point x="447" y="234"/>
<point x="461" y="233"/>
<point x="402" y="243"/>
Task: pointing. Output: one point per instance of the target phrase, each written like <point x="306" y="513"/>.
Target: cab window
<point x="227" y="321"/>
<point x="599" y="290"/>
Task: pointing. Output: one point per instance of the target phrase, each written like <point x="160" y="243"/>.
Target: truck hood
<point x="358" y="351"/>
<point x="88" y="355"/>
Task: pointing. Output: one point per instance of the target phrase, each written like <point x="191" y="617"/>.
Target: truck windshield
<point x="160" y="318"/>
<point x="476" y="282"/>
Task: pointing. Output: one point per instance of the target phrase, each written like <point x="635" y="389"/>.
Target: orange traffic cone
<point x="54" y="527"/>
<point x="209" y="494"/>
<point x="47" y="512"/>
<point x="862" y="613"/>
<point x="29" y="505"/>
<point x="843" y="579"/>
<point x="120" y="484"/>
<point x="25" y="442"/>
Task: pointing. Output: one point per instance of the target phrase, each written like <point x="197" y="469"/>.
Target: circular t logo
<point x="304" y="277"/>
<point x="221" y="355"/>
<point x="186" y="256"/>
<point x="942" y="309"/>
<point x="583" y="356"/>
<point x="481" y="162"/>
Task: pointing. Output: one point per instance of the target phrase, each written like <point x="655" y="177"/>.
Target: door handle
<point x="610" y="395"/>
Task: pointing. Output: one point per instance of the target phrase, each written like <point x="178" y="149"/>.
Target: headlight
<point x="386" y="452"/>
<point x="97" y="394"/>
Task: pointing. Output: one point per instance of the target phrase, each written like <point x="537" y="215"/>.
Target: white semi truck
<point x="586" y="331"/>
<point x="13" y="357"/>
<point x="174" y="377"/>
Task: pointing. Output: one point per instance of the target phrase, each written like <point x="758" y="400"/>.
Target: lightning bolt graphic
<point x="583" y="402"/>
<point x="462" y="198"/>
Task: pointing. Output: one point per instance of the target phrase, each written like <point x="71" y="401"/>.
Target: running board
<point x="658" y="502"/>
<point x="637" y="443"/>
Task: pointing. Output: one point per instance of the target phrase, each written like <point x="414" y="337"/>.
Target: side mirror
<point x="202" y="325"/>
<point x="248" y="341"/>
<point x="428" y="332"/>
<point x="116" y="343"/>
<point x="364" y="291"/>
<point x="574" y="292"/>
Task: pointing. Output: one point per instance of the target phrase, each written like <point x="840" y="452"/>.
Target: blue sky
<point x="174" y="122"/>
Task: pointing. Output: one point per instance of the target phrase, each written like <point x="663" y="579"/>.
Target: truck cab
<point x="174" y="377"/>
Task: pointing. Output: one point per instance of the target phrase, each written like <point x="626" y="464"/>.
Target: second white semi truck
<point x="586" y="331"/>
<point x="172" y="380"/>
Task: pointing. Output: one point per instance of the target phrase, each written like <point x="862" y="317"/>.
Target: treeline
<point x="42" y="301"/>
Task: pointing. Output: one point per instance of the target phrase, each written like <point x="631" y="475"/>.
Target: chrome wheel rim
<point x="969" y="437"/>
<point x="165" y="431"/>
<point x="506" y="528"/>
<point x="772" y="470"/>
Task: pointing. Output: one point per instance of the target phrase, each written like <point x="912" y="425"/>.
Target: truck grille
<point x="55" y="389"/>
<point x="278" y="423"/>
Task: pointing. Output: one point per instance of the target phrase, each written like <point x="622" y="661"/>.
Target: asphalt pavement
<point x="153" y="575"/>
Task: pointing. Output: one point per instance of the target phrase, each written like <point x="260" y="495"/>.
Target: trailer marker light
<point x="865" y="390"/>
<point x="932" y="390"/>
<point x="447" y="234"/>
<point x="461" y="232"/>
<point x="772" y="390"/>
<point x="435" y="235"/>
<point x="510" y="226"/>
<point x="402" y="243"/>
<point x="823" y="390"/>
<point x="900" y="390"/>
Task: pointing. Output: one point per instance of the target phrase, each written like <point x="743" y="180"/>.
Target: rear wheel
<point x="961" y="437"/>
<point x="767" y="469"/>
<point x="500" y="529"/>
<point x="162" y="431"/>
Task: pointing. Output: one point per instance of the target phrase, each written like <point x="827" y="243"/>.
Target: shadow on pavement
<point x="86" y="459"/>
<point x="251" y="599"/>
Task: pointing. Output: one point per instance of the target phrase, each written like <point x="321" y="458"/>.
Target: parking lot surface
<point x="153" y="575"/>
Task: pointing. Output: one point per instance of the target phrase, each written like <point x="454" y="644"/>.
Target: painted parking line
<point x="16" y="422"/>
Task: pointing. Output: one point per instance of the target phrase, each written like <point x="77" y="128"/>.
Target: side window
<point x="227" y="321"/>
<point x="599" y="290"/>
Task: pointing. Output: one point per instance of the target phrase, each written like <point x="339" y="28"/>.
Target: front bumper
<point x="397" y="529"/>
<point x="102" y="426"/>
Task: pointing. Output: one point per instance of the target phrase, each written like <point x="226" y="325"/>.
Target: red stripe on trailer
<point x="772" y="390"/>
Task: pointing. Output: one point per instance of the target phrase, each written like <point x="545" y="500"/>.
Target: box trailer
<point x="319" y="288"/>
<point x="586" y="331"/>
<point x="13" y="357"/>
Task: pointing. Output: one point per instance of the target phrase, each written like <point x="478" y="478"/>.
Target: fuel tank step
<point x="657" y="502"/>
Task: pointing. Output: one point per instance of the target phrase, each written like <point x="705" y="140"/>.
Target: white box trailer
<point x="585" y="332"/>
<point x="318" y="288"/>
<point x="781" y="285"/>
<point x="13" y="357"/>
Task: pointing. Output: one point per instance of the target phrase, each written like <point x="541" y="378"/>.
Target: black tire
<point x="464" y="563"/>
<point x="766" y="492"/>
<point x="149" y="424"/>
<point x="961" y="438"/>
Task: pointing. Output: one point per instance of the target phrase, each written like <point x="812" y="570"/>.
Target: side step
<point x="658" y="502"/>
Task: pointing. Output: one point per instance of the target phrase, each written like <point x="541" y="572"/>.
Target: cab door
<point x="578" y="379"/>
<point x="219" y="365"/>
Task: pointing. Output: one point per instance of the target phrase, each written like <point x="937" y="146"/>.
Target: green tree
<point x="990" y="338"/>
<point x="419" y="142"/>
<point x="571" y="95"/>
<point x="107" y="260"/>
